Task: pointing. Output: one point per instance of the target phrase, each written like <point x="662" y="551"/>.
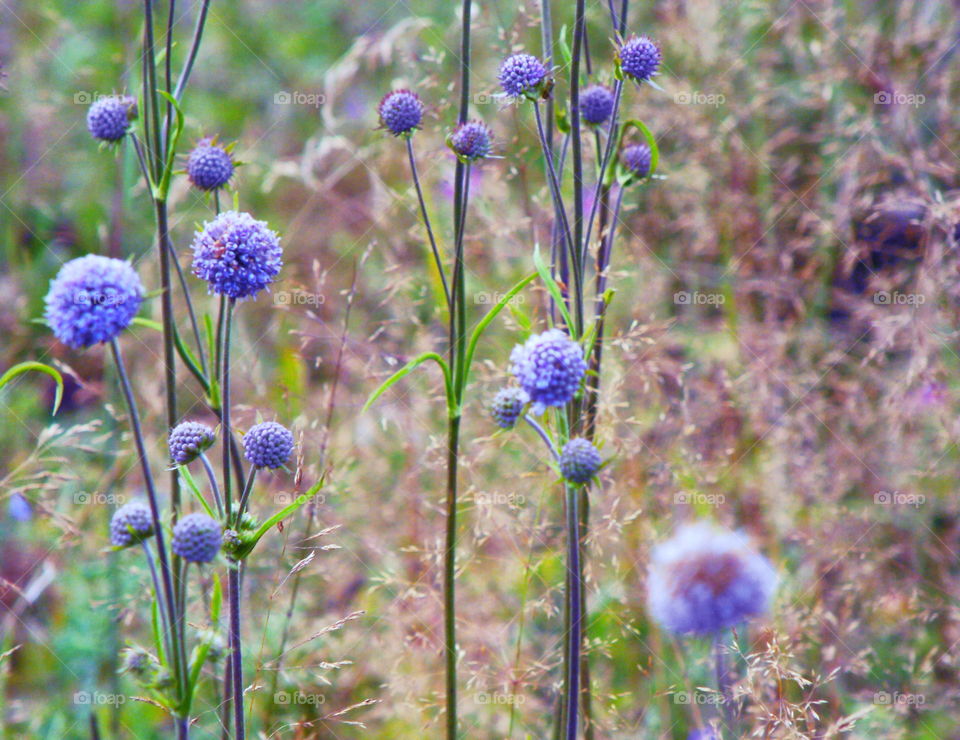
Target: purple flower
<point x="522" y="75"/>
<point x="187" y="440"/>
<point x="705" y="579"/>
<point x="508" y="405"/>
<point x="401" y="112"/>
<point x="549" y="367"/>
<point x="637" y="159"/>
<point x="92" y="299"/>
<point x="639" y="57"/>
<point x="237" y="255"/>
<point x="579" y="460"/>
<point x="471" y="141"/>
<point x="209" y="165"/>
<point x="108" y="119"/>
<point x="197" y="538"/>
<point x="130" y="524"/>
<point x="268" y="445"/>
<point x="596" y="104"/>
<point x="18" y="508"/>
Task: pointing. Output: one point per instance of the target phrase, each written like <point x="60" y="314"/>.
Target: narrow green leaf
<point x="406" y="370"/>
<point x="216" y="599"/>
<point x="148" y="323"/>
<point x="553" y="288"/>
<point x="195" y="490"/>
<point x="39" y="367"/>
<point x="490" y="316"/>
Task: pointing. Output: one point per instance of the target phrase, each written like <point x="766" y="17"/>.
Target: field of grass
<point x="782" y="356"/>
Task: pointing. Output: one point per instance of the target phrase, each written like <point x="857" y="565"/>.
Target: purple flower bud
<point x="471" y="141"/>
<point x="507" y="406"/>
<point x="209" y="165"/>
<point x="108" y="119"/>
<point x="130" y="524"/>
<point x="579" y="460"/>
<point x="549" y="367"/>
<point x="237" y="255"/>
<point x="197" y="538"/>
<point x="639" y="57"/>
<point x="268" y="445"/>
<point x="401" y="112"/>
<point x="187" y="440"/>
<point x="596" y="104"/>
<point x="521" y="74"/>
<point x="637" y="159"/>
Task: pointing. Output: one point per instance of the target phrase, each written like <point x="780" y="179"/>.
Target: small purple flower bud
<point x="579" y="460"/>
<point x="108" y="118"/>
<point x="471" y="141"/>
<point x="401" y="112"/>
<point x="639" y="57"/>
<point x="197" y="538"/>
<point x="507" y="406"/>
<point x="636" y="159"/>
<point x="187" y="440"/>
<point x="549" y="367"/>
<point x="596" y="104"/>
<point x="237" y="255"/>
<point x="522" y="74"/>
<point x="268" y="445"/>
<point x="130" y="524"/>
<point x="209" y="165"/>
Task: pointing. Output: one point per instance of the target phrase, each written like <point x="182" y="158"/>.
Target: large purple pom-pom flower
<point x="471" y="141"/>
<point x="237" y="255"/>
<point x="639" y="58"/>
<point x="637" y="158"/>
<point x="108" y="119"/>
<point x="209" y="165"/>
<point x="705" y="579"/>
<point x="187" y="440"/>
<point x="579" y="460"/>
<point x="596" y="104"/>
<point x="401" y="112"/>
<point x="268" y="445"/>
<point x="197" y="538"/>
<point x="549" y="367"/>
<point x="521" y="74"/>
<point x="507" y="406"/>
<point x="130" y="524"/>
<point x="92" y="299"/>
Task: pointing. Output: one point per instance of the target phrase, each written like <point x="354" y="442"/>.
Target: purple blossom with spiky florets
<point x="197" y="538"/>
<point x="639" y="58"/>
<point x="108" y="118"/>
<point x="549" y="367"/>
<point x="596" y="104"/>
<point x="130" y="524"/>
<point x="521" y="74"/>
<point x="508" y="405"/>
<point x="237" y="255"/>
<point x="92" y="299"/>
<point x="706" y="579"/>
<point x="637" y="159"/>
<point x="401" y="112"/>
<point x="209" y="165"/>
<point x="268" y="445"/>
<point x="579" y="460"/>
<point x="471" y="141"/>
<point x="187" y="440"/>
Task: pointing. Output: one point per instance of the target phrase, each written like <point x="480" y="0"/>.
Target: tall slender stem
<point x="426" y="220"/>
<point x="579" y="35"/>
<point x="225" y="403"/>
<point x="236" y="652"/>
<point x="247" y="490"/>
<point x="575" y="581"/>
<point x="212" y="477"/>
<point x="605" y="162"/>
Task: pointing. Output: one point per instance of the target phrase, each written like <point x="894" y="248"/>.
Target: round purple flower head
<point x="637" y="158"/>
<point x="521" y="74"/>
<point x="187" y="440"/>
<point x="507" y="406"/>
<point x="237" y="255"/>
<point x="92" y="299"/>
<point x="130" y="524"/>
<point x="471" y="141"/>
<point x="596" y="104"/>
<point x="549" y="367"/>
<point x="209" y="165"/>
<point x="268" y="445"/>
<point x="639" y="58"/>
<point x="705" y="579"/>
<point x="401" y="112"/>
<point x="108" y="119"/>
<point x="197" y="538"/>
<point x="579" y="460"/>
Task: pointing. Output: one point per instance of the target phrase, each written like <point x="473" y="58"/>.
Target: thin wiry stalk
<point x="580" y="245"/>
<point x="605" y="162"/>
<point x="247" y="490"/>
<point x="164" y="624"/>
<point x="227" y="322"/>
<point x="574" y="599"/>
<point x="192" y="54"/>
<point x="168" y="73"/>
<point x="212" y="477"/>
<point x="236" y="647"/>
<point x="544" y="436"/>
<point x="426" y="220"/>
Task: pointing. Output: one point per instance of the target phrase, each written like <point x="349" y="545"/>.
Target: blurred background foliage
<point x="805" y="389"/>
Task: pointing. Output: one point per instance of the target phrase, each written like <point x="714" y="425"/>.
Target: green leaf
<point x="553" y="288"/>
<point x="406" y="370"/>
<point x="39" y="367"/>
<point x="216" y="599"/>
<point x="148" y="323"/>
<point x="195" y="490"/>
<point x="288" y="510"/>
<point x="564" y="46"/>
<point x="164" y="186"/>
<point x="157" y="639"/>
<point x="490" y="316"/>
